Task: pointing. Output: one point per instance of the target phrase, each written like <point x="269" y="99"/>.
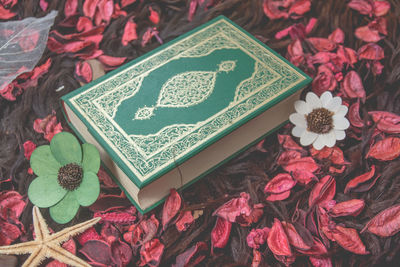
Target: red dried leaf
<point x="386" y="121"/>
<point x="6" y="14"/>
<point x="125" y="3"/>
<point x="129" y="32"/>
<point x="371" y="51"/>
<point x="348" y="208"/>
<point x="386" y="149"/>
<point x="106" y="9"/>
<point x="303" y="177"/>
<point x="48" y="126"/>
<point x="362" y="6"/>
<point x="171" y="207"/>
<point x="287" y="142"/>
<point x="98" y="252"/>
<point x="305" y="164"/>
<point x="321" y="262"/>
<point x="287" y="156"/>
<point x="89" y="8"/>
<point x="273" y="9"/>
<point x="151" y="253"/>
<point x="294" y="238"/>
<point x="254" y="216"/>
<point x="150" y="33"/>
<point x="353" y="86"/>
<point x="257" y="237"/>
<point x="29" y="146"/>
<point x="347" y="55"/>
<point x="278" y="197"/>
<point x="278" y="241"/>
<point x="381" y="8"/>
<point x="257" y="257"/>
<point x="11" y="205"/>
<point x="234" y="208"/>
<point x="83" y="72"/>
<point x="324" y="80"/>
<point x="184" y="221"/>
<point x="192" y="256"/>
<point x="89" y="234"/>
<point x="154" y="17"/>
<point x="337" y="36"/>
<point x="318" y="249"/>
<point x="367" y="34"/>
<point x="349" y="239"/>
<point x="70" y="8"/>
<point x="334" y="154"/>
<point x="299" y="7"/>
<point x="386" y="223"/>
<point x="279" y="184"/>
<point x="84" y="24"/>
<point x="43" y="5"/>
<point x="122" y="253"/>
<point x="112" y="61"/>
<point x="323" y="191"/>
<point x="8" y="233"/>
<point x="322" y="44"/>
<point x="143" y="232"/>
<point x="354" y="183"/>
<point x="122" y="216"/>
<point x="220" y="233"/>
<point x="354" y="115"/>
<point x="295" y="51"/>
<point x="118" y="12"/>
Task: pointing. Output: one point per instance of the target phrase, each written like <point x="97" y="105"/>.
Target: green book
<point x="173" y="115"/>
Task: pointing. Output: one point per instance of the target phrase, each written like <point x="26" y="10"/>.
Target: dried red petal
<point x="122" y="216"/>
<point x="89" y="8"/>
<point x="386" y="121"/>
<point x="122" y="253"/>
<point x="106" y="9"/>
<point x="192" y="256"/>
<point x="257" y="257"/>
<point x="84" y="24"/>
<point x="279" y="184"/>
<point x="98" y="252"/>
<point x="348" y="208"/>
<point x="386" y="149"/>
<point x="6" y="14"/>
<point x="386" y="223"/>
<point x="112" y="61"/>
<point x="321" y="262"/>
<point x="257" y="237"/>
<point x="371" y="51"/>
<point x="89" y="234"/>
<point x="154" y="17"/>
<point x="184" y="221"/>
<point x="254" y="216"/>
<point x="322" y="44"/>
<point x="70" y="8"/>
<point x="300" y="7"/>
<point x="318" y="249"/>
<point x="324" y="80"/>
<point x="294" y="238"/>
<point x="171" y="207"/>
<point x="11" y="205"/>
<point x="125" y="3"/>
<point x="324" y="190"/>
<point x="287" y="142"/>
<point x="353" y="86"/>
<point x="278" y="197"/>
<point x="151" y="253"/>
<point x="347" y="55"/>
<point x="286" y="156"/>
<point x="334" y="154"/>
<point x="349" y="239"/>
<point x="305" y="164"/>
<point x="48" y="126"/>
<point x="303" y="177"/>
<point x="83" y="72"/>
<point x="362" y="6"/>
<point x="220" y="233"/>
<point x="367" y="34"/>
<point x="381" y="8"/>
<point x="354" y="115"/>
<point x="360" y="179"/>
<point x="8" y="233"/>
<point x="129" y="32"/>
<point x="273" y="9"/>
<point x="234" y="208"/>
<point x="29" y="146"/>
<point x="337" y="36"/>
<point x="277" y="240"/>
<point x="142" y="232"/>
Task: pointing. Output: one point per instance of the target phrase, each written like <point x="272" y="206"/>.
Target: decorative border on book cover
<point x="147" y="155"/>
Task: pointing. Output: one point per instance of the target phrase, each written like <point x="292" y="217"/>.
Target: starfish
<point x="46" y="245"/>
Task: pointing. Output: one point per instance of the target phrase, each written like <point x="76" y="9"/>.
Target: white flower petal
<point x="307" y="138"/>
<point x="330" y="139"/>
<point x="340" y="123"/>
<point x="326" y="98"/>
<point x="342" y="111"/>
<point x="340" y="134"/>
<point x="298" y="131"/>
<point x="298" y="119"/>
<point x="313" y="100"/>
<point x="320" y="142"/>
<point x="302" y="107"/>
<point x="334" y="104"/>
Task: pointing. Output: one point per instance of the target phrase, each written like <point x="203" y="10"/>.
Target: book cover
<point x="163" y="108"/>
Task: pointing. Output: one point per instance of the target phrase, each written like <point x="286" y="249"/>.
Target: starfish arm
<point x="21" y="248"/>
<point x="66" y="233"/>
<point x="62" y="255"/>
<point x="37" y="256"/>
<point x="39" y="224"/>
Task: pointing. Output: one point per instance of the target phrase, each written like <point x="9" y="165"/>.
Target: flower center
<point x="320" y="121"/>
<point x="70" y="176"/>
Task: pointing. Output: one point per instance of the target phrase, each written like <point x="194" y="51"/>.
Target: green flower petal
<point x="91" y="158"/>
<point x="45" y="191"/>
<point x="43" y="163"/>
<point x="88" y="190"/>
<point x="66" y="148"/>
<point x="65" y="210"/>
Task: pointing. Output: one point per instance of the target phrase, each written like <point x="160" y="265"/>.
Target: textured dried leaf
<point x="278" y="197"/>
<point x="386" y="121"/>
<point x="129" y="32"/>
<point x="294" y="238"/>
<point x="321" y="262"/>
<point x="98" y="252"/>
<point x="184" y="221"/>
<point x="371" y="51"/>
<point x="322" y="44"/>
<point x="151" y="253"/>
<point x="89" y="8"/>
<point x="305" y="164"/>
<point x="154" y="17"/>
<point x="299" y="7"/>
<point x="324" y="190"/>
<point x="125" y="3"/>
<point x="324" y="80"/>
<point x="354" y="115"/>
<point x="111" y="61"/>
<point x="29" y="146"/>
<point x="381" y="8"/>
<point x="279" y="184"/>
<point x="257" y="237"/>
<point x="70" y="8"/>
<point x="337" y="36"/>
<point x="287" y="156"/>
<point x="171" y="207"/>
<point x="354" y="183"/>
<point x="348" y="208"/>
<point x="220" y="233"/>
<point x="192" y="256"/>
<point x="303" y="177"/>
<point x="386" y="223"/>
<point x="362" y="6"/>
<point x="278" y="241"/>
<point x="83" y="72"/>
<point x="353" y="86"/>
<point x="368" y="34"/>
<point x="334" y="154"/>
<point x="287" y="142"/>
<point x="386" y="149"/>
<point x="234" y="208"/>
<point x="318" y="249"/>
<point x="349" y="239"/>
